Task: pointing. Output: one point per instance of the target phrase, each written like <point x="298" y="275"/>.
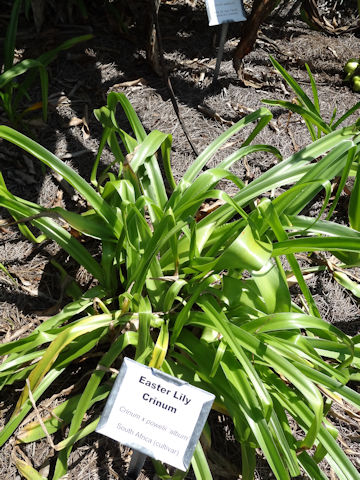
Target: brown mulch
<point x="115" y="61"/>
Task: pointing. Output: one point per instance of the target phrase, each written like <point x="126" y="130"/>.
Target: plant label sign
<point x="225" y="11"/>
<point x="155" y="414"/>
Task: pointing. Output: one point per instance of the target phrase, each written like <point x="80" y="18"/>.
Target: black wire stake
<point x="224" y="30"/>
<point x="136" y="463"/>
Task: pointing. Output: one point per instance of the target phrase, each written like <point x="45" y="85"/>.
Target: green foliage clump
<point x="14" y="88"/>
<point x="208" y="299"/>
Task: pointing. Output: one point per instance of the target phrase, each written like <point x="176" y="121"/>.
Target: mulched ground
<point x="115" y="61"/>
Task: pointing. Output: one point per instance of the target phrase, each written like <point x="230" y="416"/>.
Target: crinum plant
<point x="207" y="299"/>
<point x="16" y="79"/>
<point x="313" y="118"/>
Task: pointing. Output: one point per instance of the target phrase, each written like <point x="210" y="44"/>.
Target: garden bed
<point x="114" y="61"/>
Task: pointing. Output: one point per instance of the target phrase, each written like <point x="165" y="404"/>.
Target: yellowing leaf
<point x="28" y="471"/>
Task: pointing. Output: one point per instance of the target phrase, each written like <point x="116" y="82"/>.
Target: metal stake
<point x="224" y="30"/>
<point x="136" y="463"/>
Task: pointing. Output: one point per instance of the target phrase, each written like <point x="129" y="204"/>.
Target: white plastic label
<point x="155" y="413"/>
<point x="225" y="11"/>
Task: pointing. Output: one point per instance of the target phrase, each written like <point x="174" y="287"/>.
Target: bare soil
<point x="115" y="61"/>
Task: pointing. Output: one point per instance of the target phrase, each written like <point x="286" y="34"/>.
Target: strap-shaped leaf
<point x="287" y="172"/>
<point x="11" y="32"/>
<point x="272" y="287"/>
<point x="245" y="253"/>
<point x="200" y="464"/>
<point x="59" y="416"/>
<point x="313" y="244"/>
<point x="161" y="347"/>
<point x="19" y="69"/>
<point x="263" y="116"/>
<point x="63" y="238"/>
<point x="86" y="399"/>
<point x="208" y="305"/>
<point x="249" y="405"/>
<point x="73" y="178"/>
<point x="68" y="335"/>
<point x="354" y="210"/>
<point x="309" y="116"/>
<point x="305" y="100"/>
<point x="270" y="215"/>
<point x="298" y="409"/>
<point x="27" y="470"/>
<point x="236" y="336"/>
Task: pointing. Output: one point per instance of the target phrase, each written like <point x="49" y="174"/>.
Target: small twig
<point x="20" y="331"/>
<point x="107" y="369"/>
<point x="249" y="174"/>
<point x="291" y="135"/>
<point x="38" y="416"/>
<point x="46" y="213"/>
<point x="17" y="450"/>
<point x="337" y="415"/>
<point x="74" y="154"/>
<point x="167" y="81"/>
<point x="209" y="112"/>
<point x="346" y="271"/>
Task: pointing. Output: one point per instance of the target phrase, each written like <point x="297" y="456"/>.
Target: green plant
<point x="12" y="90"/>
<point x="208" y="300"/>
<point x="308" y="109"/>
<point x="317" y="126"/>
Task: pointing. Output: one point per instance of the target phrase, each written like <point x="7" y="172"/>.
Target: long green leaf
<point x="313" y="244"/>
<point x="210" y="308"/>
<point x="19" y="69"/>
<point x="63" y="238"/>
<point x="263" y="115"/>
<point x="86" y="325"/>
<point x="285" y="173"/>
<point x="247" y="402"/>
<point x="354" y="210"/>
<point x="235" y="336"/>
<point x="11" y="32"/>
<point x="27" y="470"/>
<point x="303" y="415"/>
<point x="200" y="464"/>
<point x="308" y="115"/>
<point x="58" y="418"/>
<point x="304" y="99"/>
<point x="86" y="398"/>
<point x="73" y="178"/>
